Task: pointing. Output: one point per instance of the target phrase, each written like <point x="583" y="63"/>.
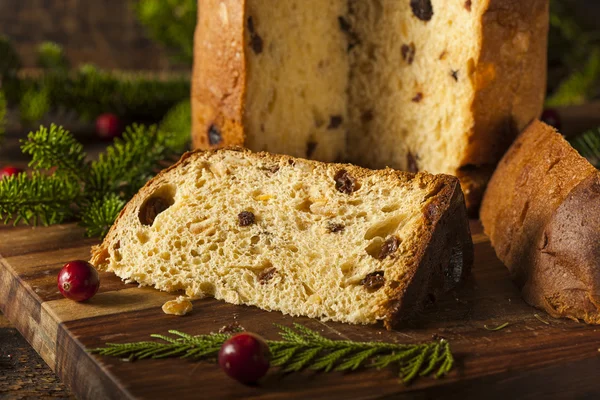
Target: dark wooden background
<point x="102" y="32"/>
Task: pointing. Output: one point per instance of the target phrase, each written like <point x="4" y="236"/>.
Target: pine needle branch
<point x="302" y="348"/>
<point x="588" y="145"/>
<point x="580" y="86"/>
<point x="37" y="198"/>
<point x="171" y="23"/>
<point x="98" y="215"/>
<point x="3" y="108"/>
<point x="51" y="56"/>
<point x="92" y="192"/>
<point x="129" y="162"/>
<point x="55" y="148"/>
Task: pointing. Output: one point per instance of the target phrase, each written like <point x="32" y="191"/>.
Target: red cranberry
<point x="551" y="117"/>
<point x="245" y="357"/>
<point x="78" y="280"/>
<point x="108" y="126"/>
<point x="9" y="171"/>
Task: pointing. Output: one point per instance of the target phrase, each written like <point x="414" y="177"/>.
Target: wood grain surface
<point x="529" y="358"/>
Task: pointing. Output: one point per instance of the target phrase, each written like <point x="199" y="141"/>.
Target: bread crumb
<point x="232" y="328"/>
<point x="180" y="306"/>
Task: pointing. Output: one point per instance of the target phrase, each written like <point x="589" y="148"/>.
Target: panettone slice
<point x="330" y="241"/>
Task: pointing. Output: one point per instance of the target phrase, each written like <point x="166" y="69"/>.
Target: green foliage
<point x="37" y="198"/>
<point x="588" y="145"/>
<point x="580" y="86"/>
<point x="179" y="121"/>
<point x="90" y="92"/>
<point x="496" y="328"/>
<point x="171" y="23"/>
<point x="2" y="115"/>
<point x="51" y="56"/>
<point x="575" y="53"/>
<point x="126" y="165"/>
<point x="35" y="103"/>
<point x="55" y="148"/>
<point x="10" y="62"/>
<point x="65" y="185"/>
<point x="98" y="215"/>
<point x="302" y="348"/>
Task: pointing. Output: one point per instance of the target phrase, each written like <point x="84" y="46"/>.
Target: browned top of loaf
<point x="540" y="187"/>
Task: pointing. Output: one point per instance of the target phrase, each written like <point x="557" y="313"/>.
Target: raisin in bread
<point x="434" y="85"/>
<point x="331" y="241"/>
<point x="541" y="213"/>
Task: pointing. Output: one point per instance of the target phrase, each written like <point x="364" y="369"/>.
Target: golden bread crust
<point x="510" y="81"/>
<point x="219" y="75"/>
<point x="538" y="211"/>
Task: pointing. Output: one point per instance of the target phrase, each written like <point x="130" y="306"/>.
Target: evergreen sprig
<point x="302" y="348"/>
<point x="178" y="119"/>
<point x="64" y="184"/>
<point x="588" y="145"/>
<point x="98" y="215"/>
<point x="37" y="198"/>
<point x="171" y="23"/>
<point x="89" y="92"/>
<point x="10" y="62"/>
<point x="51" y="56"/>
<point x="55" y="148"/>
<point x="580" y="86"/>
<point x="573" y="52"/>
<point x="3" y="111"/>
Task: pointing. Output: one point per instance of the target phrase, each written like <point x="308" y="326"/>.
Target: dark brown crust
<point x="540" y="213"/>
<point x="510" y="81"/>
<point x="219" y="74"/>
<point x="444" y="229"/>
<point x="443" y="261"/>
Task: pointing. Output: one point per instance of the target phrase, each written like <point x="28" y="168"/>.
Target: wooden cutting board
<point x="528" y="358"/>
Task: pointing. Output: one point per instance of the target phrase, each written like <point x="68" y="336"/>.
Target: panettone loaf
<point x="434" y="85"/>
<point x="331" y="241"/>
<point x="541" y="213"/>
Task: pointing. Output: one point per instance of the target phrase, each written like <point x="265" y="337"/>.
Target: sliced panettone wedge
<point x="329" y="241"/>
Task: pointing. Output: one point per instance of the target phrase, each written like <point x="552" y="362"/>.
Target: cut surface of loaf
<point x="419" y="85"/>
<point x="330" y="241"/>
<point x="540" y="212"/>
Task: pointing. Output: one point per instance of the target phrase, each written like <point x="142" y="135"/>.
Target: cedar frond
<point x="51" y="56"/>
<point x="55" y="148"/>
<point x="98" y="215"/>
<point x="177" y="123"/>
<point x="302" y="348"/>
<point x="580" y="86"/>
<point x="129" y="162"/>
<point x="37" y="198"/>
<point x="35" y="103"/>
<point x="2" y="115"/>
<point x="588" y="145"/>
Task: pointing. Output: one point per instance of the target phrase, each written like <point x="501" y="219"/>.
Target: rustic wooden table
<point x="23" y="373"/>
